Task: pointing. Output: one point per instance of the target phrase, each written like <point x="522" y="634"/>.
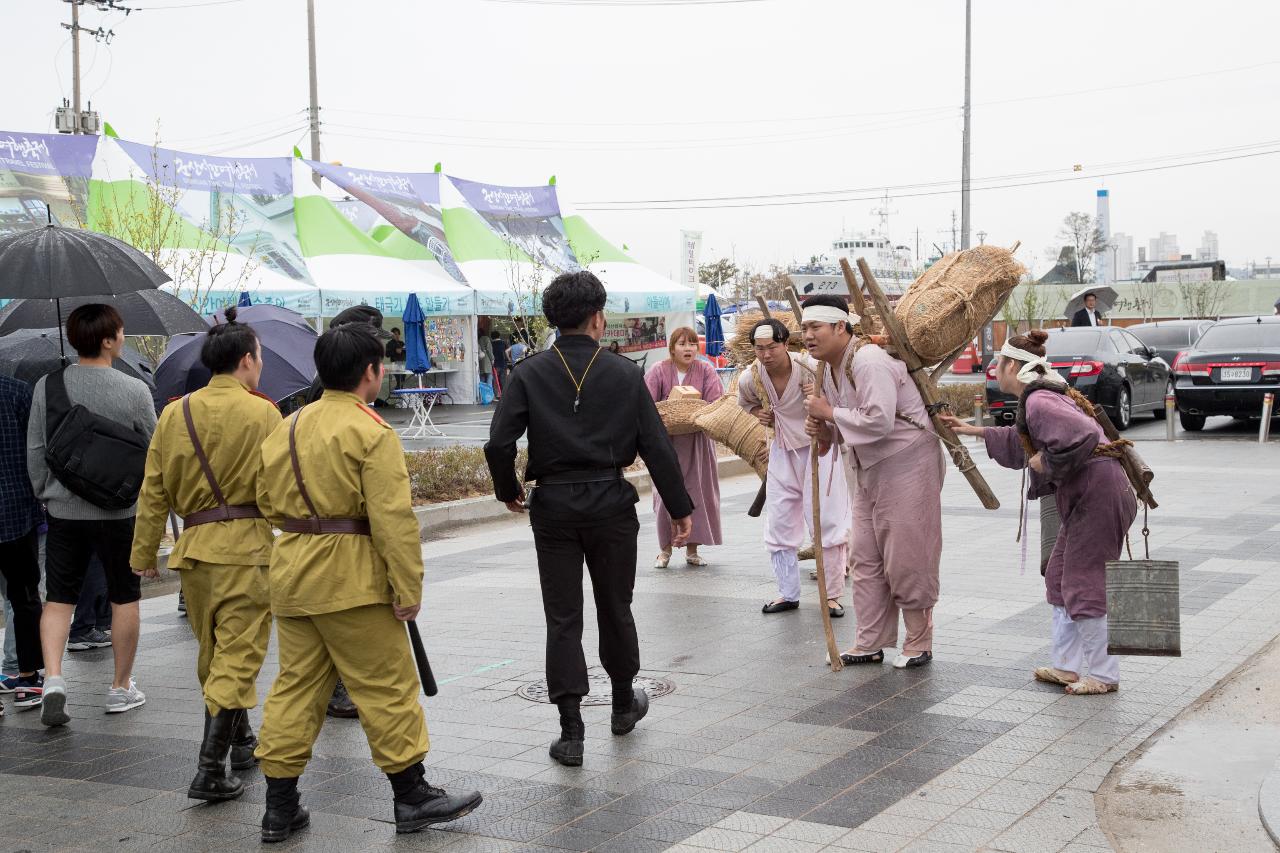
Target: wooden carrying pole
<point x="833" y="654"/>
<point x="928" y="392"/>
<point x="757" y="505"/>
<point x="855" y="292"/>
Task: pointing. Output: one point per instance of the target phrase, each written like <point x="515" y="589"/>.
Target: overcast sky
<point x="640" y="100"/>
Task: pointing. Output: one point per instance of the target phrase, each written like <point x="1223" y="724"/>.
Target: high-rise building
<point x="1163" y="248"/>
<point x="1122" y="254"/>
<point x="1102" y="260"/>
<point x="1208" y="247"/>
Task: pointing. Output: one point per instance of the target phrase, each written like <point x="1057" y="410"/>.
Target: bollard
<point x="1170" y="409"/>
<point x="979" y="416"/>
<point x="1268" y="404"/>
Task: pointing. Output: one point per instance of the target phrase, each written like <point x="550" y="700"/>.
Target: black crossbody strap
<point x="56" y="402"/>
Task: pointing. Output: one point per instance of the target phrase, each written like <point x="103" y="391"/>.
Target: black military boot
<point x="568" y="749"/>
<point x="419" y="805"/>
<point x="630" y="704"/>
<point x="340" y="704"/>
<point x="212" y="781"/>
<point x="283" y="814"/>
<point x="243" y="743"/>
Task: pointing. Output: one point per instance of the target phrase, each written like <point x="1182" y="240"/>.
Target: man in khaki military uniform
<point x="203" y="463"/>
<point x="345" y="576"/>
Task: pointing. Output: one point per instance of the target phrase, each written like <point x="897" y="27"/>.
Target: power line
<point x="239" y="130"/>
<point x="949" y="191"/>
<point x="277" y="135"/>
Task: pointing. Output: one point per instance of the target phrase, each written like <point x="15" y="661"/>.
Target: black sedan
<point x="1105" y="363"/>
<point x="1228" y="371"/>
<point x="1169" y="338"/>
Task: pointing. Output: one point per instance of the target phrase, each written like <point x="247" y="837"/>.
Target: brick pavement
<point x="760" y="747"/>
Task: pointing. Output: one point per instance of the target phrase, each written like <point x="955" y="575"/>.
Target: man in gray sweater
<point x="79" y="529"/>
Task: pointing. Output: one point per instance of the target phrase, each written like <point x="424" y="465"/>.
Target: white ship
<point x="893" y="266"/>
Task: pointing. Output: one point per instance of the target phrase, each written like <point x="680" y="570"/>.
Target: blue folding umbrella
<point x="244" y="301"/>
<point x="416" y="358"/>
<point x="715" y="332"/>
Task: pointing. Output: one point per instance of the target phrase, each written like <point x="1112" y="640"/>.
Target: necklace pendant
<point x="575" y="405"/>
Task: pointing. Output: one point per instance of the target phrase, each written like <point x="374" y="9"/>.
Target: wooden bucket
<point x="1143" y="616"/>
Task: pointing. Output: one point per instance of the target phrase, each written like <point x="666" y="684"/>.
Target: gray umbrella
<point x="1107" y="297"/>
<point x="55" y="262"/>
<point x="28" y="354"/>
<point x="147" y="312"/>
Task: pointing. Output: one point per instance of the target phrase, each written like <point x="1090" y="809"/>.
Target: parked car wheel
<point x="1191" y="423"/>
<point x="1124" y="410"/>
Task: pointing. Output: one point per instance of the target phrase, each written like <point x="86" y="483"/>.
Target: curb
<point x="452" y="515"/>
<point x="1269" y="803"/>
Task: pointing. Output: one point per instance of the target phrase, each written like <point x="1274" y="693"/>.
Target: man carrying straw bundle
<point x="773" y="390"/>
<point x="897" y="469"/>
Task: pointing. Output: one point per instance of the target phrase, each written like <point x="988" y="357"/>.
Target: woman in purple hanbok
<point x="1061" y="445"/>
<point x="697" y="451"/>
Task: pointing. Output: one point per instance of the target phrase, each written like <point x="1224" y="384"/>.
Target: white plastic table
<point x="422" y="401"/>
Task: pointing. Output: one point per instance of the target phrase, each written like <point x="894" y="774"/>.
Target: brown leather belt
<point x="315" y="524"/>
<point x="221" y="513"/>
<point x="356" y="526"/>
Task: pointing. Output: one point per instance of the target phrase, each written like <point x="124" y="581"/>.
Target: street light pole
<point x="964" y="165"/>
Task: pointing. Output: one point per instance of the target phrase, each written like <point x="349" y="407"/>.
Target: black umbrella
<point x="55" y="262"/>
<point x="147" y="312"/>
<point x="28" y="354"/>
<point x="288" y="364"/>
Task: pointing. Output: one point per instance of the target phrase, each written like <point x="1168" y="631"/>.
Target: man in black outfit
<point x="587" y="413"/>
<point x="1089" y="315"/>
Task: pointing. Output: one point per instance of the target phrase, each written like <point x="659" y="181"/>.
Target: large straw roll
<point x="678" y="415"/>
<point x="724" y="421"/>
<point x="947" y="305"/>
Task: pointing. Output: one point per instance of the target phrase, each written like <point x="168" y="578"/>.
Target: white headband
<point x="763" y="333"/>
<point x="827" y="314"/>
<point x="1028" y="373"/>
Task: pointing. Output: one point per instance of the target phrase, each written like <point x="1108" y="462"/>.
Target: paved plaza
<point x="760" y="747"/>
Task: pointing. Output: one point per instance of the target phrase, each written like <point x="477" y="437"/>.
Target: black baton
<point x="420" y="657"/>
<point x="757" y="506"/>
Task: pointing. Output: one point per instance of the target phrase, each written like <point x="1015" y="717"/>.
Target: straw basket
<point x="954" y="298"/>
<point x="741" y="349"/>
<point x="724" y="421"/>
<point x="678" y="415"/>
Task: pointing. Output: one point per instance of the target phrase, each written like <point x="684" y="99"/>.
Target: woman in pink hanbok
<point x="697" y="451"/>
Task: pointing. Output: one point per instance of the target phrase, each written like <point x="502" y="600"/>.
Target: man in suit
<point x="1089" y="315"/>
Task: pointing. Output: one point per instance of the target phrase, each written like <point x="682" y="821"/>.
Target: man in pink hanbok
<point x="773" y="390"/>
<point x="897" y="466"/>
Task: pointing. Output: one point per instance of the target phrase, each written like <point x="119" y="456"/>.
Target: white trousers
<point x="1081" y="645"/>
<point x="789" y="516"/>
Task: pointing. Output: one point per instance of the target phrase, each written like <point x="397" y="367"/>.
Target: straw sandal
<point x="695" y="560"/>
<point x="1052" y="675"/>
<point x="662" y="560"/>
<point x="1090" y="686"/>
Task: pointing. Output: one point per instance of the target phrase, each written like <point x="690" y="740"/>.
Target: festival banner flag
<point x="44" y="177"/>
<point x="381" y="243"/>
<point x="218" y="225"/>
<point x="508" y="241"/>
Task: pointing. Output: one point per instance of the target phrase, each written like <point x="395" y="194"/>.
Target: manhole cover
<point x="601" y="689"/>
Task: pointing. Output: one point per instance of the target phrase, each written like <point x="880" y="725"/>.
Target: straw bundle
<point x="678" y="415"/>
<point x="954" y="298"/>
<point x="725" y="422"/>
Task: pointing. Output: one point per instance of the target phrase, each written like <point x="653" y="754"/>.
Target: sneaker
<point x="8" y="683"/>
<point x="121" y="699"/>
<point x="29" y="693"/>
<point x="53" y="710"/>
<point x="91" y="639"/>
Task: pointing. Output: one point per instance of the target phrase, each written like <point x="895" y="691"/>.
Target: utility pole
<point x="964" y="145"/>
<point x="75" y="62"/>
<point x="314" y="112"/>
<point x="982" y="238"/>
<point x="86" y="121"/>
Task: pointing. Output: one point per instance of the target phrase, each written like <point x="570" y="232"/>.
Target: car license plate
<point x="1236" y="374"/>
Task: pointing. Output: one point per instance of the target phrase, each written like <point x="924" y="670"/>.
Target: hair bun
<point x="1038" y="336"/>
<point x="230" y="314"/>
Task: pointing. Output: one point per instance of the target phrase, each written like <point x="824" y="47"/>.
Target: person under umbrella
<point x="29" y="354"/>
<point x="146" y="312"/>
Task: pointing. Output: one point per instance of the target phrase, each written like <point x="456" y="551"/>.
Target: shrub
<point x="451" y="473"/>
<point x="960" y="397"/>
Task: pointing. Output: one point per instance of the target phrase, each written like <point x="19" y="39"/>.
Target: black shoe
<point x="780" y="606"/>
<point x="622" y="723"/>
<point x="243" y="744"/>
<point x="874" y="657"/>
<point x="419" y="805"/>
<point x="182" y="603"/>
<point x="284" y="815"/>
<point x="212" y="782"/>
<point x="340" y="704"/>
<point x="904" y="662"/>
<point x="569" y="746"/>
<point x="836" y="612"/>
